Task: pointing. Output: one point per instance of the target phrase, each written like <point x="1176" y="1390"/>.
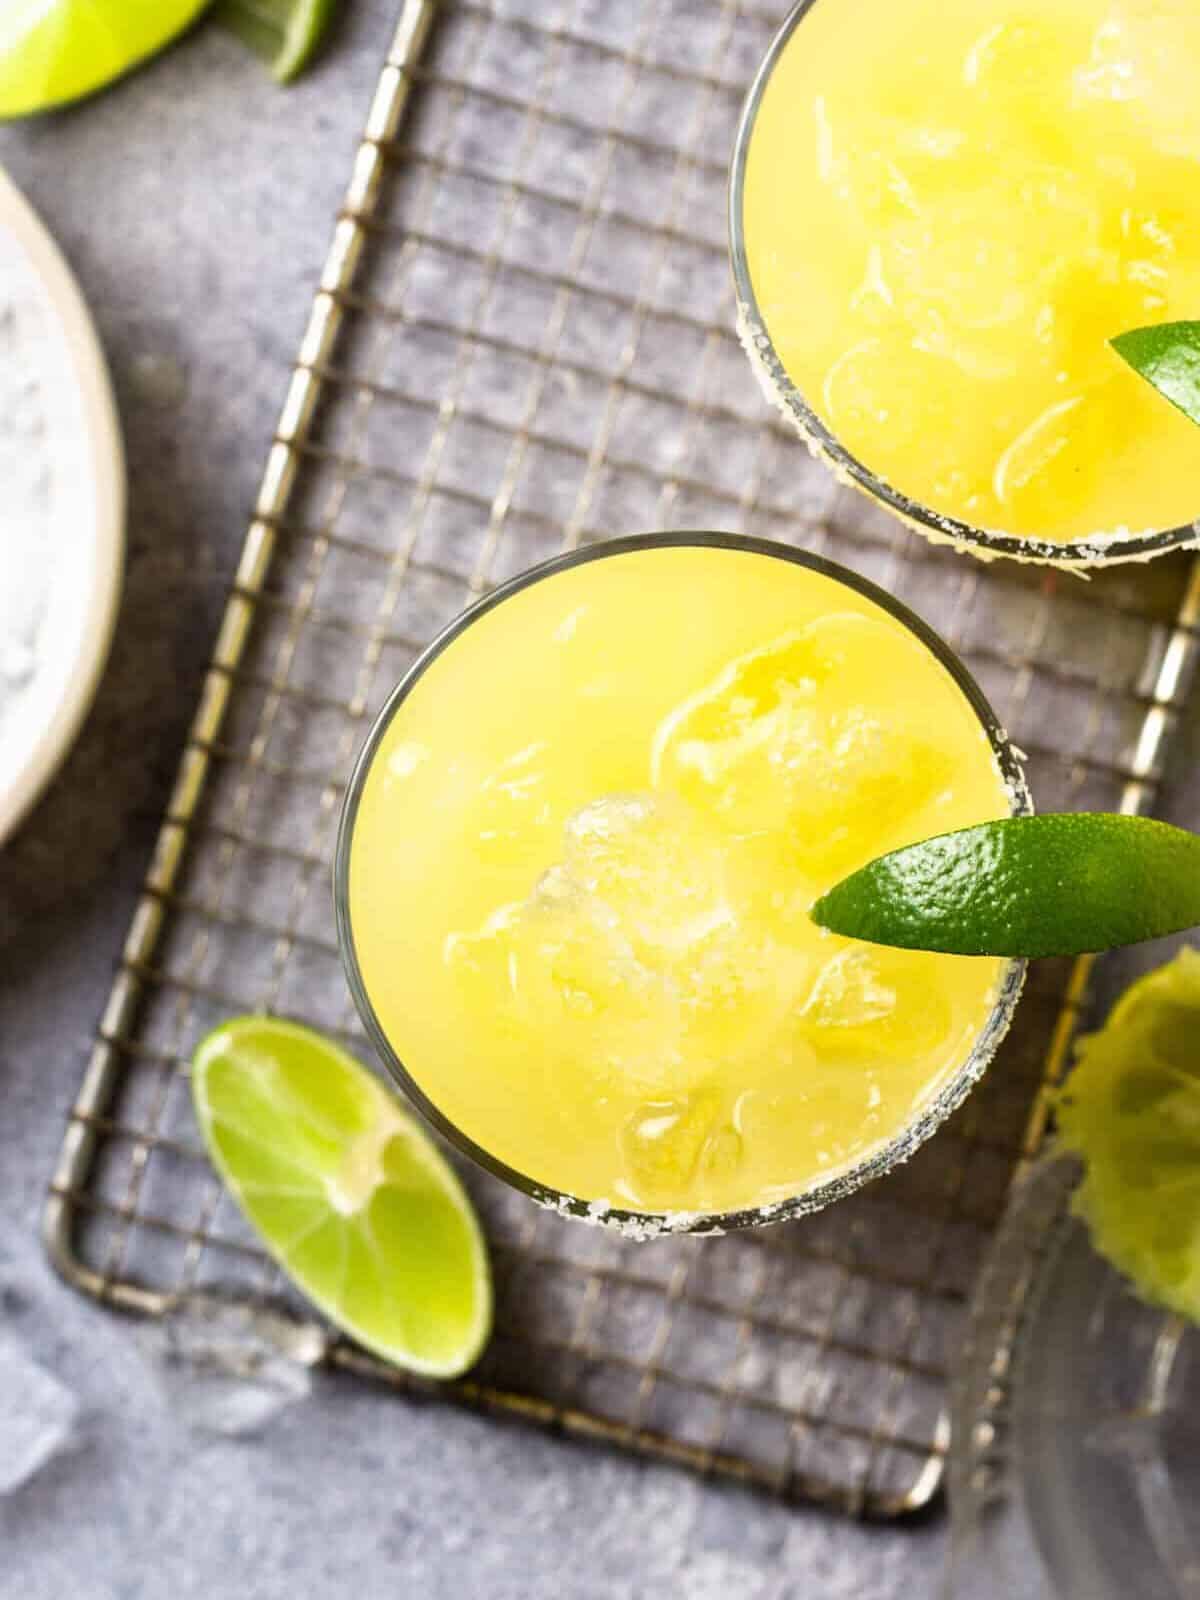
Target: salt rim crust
<point x="642" y="1226"/>
<point x="1074" y="556"/>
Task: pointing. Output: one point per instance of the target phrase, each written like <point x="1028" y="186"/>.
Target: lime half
<point x="1057" y="885"/>
<point x="54" y="51"/>
<point x="349" y="1195"/>
<point x="1131" y="1110"/>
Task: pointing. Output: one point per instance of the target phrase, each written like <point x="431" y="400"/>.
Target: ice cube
<point x="650" y="860"/>
<point x="757" y="702"/>
<point x="1029" y="62"/>
<point x="39" y="1416"/>
<point x="229" y="1365"/>
<point x="662" y="1143"/>
<point x="624" y="942"/>
<point x="868" y="1000"/>
<point x="513" y="806"/>
<point x="722" y="1154"/>
<point x="642" y="949"/>
<point x="850" y="990"/>
<point x="813" y="739"/>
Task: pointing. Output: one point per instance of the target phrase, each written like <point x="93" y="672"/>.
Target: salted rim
<point x="649" y="1224"/>
<point x="90" y="500"/>
<point x="1101" y="549"/>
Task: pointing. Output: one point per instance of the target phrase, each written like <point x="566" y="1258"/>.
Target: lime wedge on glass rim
<point x="55" y="51"/>
<point x="1131" y="1110"/>
<point x="347" y="1192"/>
<point x="1053" y="885"/>
<point x="1167" y="355"/>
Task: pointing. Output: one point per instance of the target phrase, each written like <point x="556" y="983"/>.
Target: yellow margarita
<point x="581" y="861"/>
<point x="948" y="210"/>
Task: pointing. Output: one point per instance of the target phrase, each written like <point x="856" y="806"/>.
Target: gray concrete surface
<point x="195" y="204"/>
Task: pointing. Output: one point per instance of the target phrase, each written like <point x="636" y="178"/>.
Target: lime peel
<point x="286" y="34"/>
<point x="346" y="1191"/>
<point x="1167" y="355"/>
<point x="1131" y="1111"/>
<point x="1055" y="885"/>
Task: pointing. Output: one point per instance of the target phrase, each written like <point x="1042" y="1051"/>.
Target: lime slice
<point x="1167" y="355"/>
<point x="1025" y="886"/>
<point x="1131" y="1110"/>
<point x="349" y="1195"/>
<point x="285" y="33"/>
<point x="53" y="51"/>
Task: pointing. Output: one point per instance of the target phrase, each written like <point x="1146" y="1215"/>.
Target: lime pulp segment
<point x="56" y="52"/>
<point x="347" y="1192"/>
<point x="1055" y="885"/>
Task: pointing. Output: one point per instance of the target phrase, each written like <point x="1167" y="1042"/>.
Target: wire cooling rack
<point x="522" y="341"/>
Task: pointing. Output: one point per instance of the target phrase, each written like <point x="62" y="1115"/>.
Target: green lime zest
<point x="56" y="52"/>
<point x="1167" y="355"/>
<point x="286" y="34"/>
<point x="1056" y="885"/>
<point x="1130" y="1110"/>
<point x="348" y="1194"/>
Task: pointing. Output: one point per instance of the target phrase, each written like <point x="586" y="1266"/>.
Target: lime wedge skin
<point x="1055" y="885"/>
<point x="1167" y="355"/>
<point x="53" y="54"/>
<point x="286" y="34"/>
<point x="346" y="1191"/>
<point x="1131" y="1111"/>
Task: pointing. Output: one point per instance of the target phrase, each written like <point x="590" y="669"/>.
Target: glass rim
<point x="647" y="1224"/>
<point x="1095" y="550"/>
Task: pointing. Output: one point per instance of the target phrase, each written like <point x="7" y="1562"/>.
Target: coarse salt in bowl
<point x="62" y="508"/>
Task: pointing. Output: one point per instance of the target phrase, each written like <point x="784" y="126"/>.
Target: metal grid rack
<point x="523" y="340"/>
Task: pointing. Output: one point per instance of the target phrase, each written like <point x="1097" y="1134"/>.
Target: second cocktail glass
<point x="939" y="217"/>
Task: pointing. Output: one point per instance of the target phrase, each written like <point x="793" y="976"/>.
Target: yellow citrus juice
<point x="583" y="857"/>
<point x="949" y="209"/>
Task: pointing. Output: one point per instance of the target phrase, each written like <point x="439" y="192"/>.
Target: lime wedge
<point x="349" y="1195"/>
<point x="1131" y="1111"/>
<point x="1167" y="355"/>
<point x="1025" y="886"/>
<point x="285" y="33"/>
<point x="53" y="51"/>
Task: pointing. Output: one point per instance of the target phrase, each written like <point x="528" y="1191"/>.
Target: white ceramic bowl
<point x="89" y="525"/>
